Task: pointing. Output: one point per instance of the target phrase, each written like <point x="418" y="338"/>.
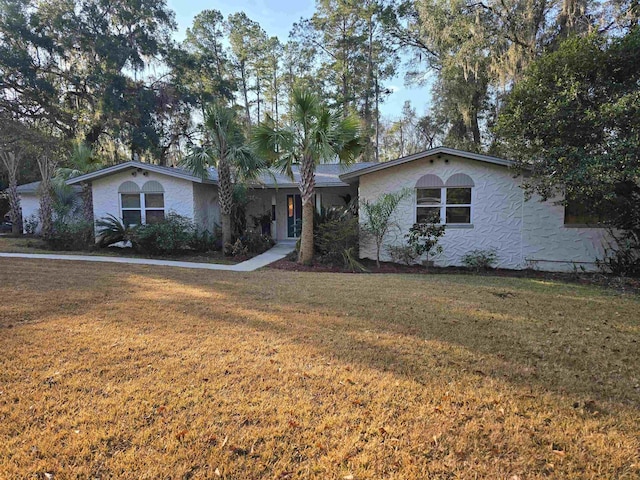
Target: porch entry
<point x="294" y="215"/>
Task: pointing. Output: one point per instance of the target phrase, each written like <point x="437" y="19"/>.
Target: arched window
<point x="153" y="194"/>
<point x="448" y="202"/>
<point x="140" y="206"/>
<point x="458" y="198"/>
<point x="428" y="198"/>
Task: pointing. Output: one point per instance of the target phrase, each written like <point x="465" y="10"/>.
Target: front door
<point x="294" y="215"/>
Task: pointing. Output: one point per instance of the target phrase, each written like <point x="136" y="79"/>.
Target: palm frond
<point x="198" y="162"/>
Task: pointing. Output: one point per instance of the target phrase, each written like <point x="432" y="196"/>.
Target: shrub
<point x="31" y="224"/>
<point x="256" y="242"/>
<point x="111" y="230"/>
<point x="170" y="236"/>
<point x="237" y="249"/>
<point x="424" y="237"/>
<point x="336" y="235"/>
<point x="71" y="234"/>
<point x="204" y="241"/>
<point x="480" y="259"/>
<point x="404" y="254"/>
<point x="622" y="255"/>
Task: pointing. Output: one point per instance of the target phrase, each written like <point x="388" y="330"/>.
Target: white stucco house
<point x="479" y="198"/>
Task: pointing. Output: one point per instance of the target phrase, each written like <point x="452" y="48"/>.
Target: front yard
<point x="146" y="372"/>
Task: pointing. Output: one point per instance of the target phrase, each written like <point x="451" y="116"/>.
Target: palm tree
<point x="314" y="135"/>
<point x="81" y="161"/>
<point x="225" y="149"/>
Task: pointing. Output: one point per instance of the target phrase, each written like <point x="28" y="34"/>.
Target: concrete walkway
<point x="277" y="252"/>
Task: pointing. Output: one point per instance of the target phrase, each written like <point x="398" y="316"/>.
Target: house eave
<point x="138" y="165"/>
<point x="426" y="154"/>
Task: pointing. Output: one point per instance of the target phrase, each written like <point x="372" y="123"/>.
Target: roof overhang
<point x="171" y="172"/>
<point x="351" y="176"/>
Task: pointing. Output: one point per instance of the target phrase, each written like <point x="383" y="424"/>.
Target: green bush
<point x="480" y="259"/>
<point x="204" y="241"/>
<point x="112" y="230"/>
<point x="249" y="243"/>
<point x="335" y="236"/>
<point x="168" y="237"/>
<point x="72" y="234"/>
<point x="424" y="237"/>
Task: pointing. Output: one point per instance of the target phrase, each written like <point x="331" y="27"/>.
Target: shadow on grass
<point x="571" y="340"/>
<point x="576" y="341"/>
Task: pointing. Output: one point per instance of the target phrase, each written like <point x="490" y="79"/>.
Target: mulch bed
<point x="622" y="284"/>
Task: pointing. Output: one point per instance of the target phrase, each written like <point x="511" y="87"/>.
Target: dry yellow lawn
<point x="117" y="371"/>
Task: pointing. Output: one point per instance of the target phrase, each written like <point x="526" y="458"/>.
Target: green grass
<point x="149" y="372"/>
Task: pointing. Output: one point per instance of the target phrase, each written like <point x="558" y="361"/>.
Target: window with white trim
<point x="141" y="206"/>
<point x="450" y="201"/>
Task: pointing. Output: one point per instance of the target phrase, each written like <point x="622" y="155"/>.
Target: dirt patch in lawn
<point x="621" y="284"/>
<point x="148" y="372"/>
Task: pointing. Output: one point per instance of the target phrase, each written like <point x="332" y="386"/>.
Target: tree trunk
<point x="225" y="198"/>
<point x="47" y="168"/>
<point x="11" y="161"/>
<point x="225" y="220"/>
<point x="46" y="211"/>
<point x="306" y="240"/>
<point x="15" y="214"/>
<point x="243" y="75"/>
<point x="275" y="91"/>
<point x="87" y="206"/>
<point x="307" y="189"/>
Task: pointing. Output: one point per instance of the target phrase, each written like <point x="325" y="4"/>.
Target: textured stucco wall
<point x="206" y="207"/>
<point x="178" y="193"/>
<point x="261" y="202"/>
<point x="500" y="217"/>
<point x="30" y="205"/>
<point x="547" y="244"/>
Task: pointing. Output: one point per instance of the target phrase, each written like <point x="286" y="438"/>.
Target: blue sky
<point x="277" y="17"/>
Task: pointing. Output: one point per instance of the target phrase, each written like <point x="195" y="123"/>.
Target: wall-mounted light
<point x="133" y="174"/>
<point x="431" y="161"/>
<point x="145" y="174"/>
<point x="446" y="160"/>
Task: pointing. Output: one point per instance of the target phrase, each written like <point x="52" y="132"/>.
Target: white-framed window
<point x="450" y="201"/>
<point x="141" y="206"/>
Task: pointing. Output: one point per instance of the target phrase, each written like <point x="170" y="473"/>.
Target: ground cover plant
<point x="149" y="372"/>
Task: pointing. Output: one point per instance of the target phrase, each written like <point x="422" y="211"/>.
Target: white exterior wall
<point x="206" y="206"/>
<point x="548" y="244"/>
<point x="519" y="231"/>
<point x="178" y="193"/>
<point x="30" y="205"/>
